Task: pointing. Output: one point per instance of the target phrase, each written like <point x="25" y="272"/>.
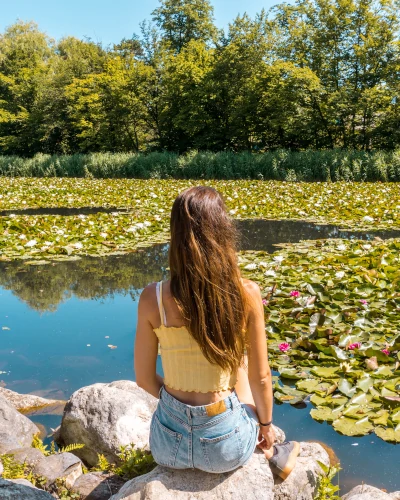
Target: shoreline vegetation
<point x="282" y="165"/>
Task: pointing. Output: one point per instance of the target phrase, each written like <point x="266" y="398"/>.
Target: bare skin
<point x="254" y="382"/>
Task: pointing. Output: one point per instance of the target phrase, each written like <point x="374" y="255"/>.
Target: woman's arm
<point x="146" y="345"/>
<point x="259" y="371"/>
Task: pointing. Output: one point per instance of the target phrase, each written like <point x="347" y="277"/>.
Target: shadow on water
<point x="62" y="211"/>
<point x="62" y="318"/>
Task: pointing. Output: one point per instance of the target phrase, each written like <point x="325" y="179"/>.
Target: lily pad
<point x="351" y="427"/>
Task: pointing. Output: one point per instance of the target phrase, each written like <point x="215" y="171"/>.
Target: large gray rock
<point x="26" y="402"/>
<point x="105" y="416"/>
<point x="97" y="485"/>
<point x="30" y="456"/>
<point x="10" y="490"/>
<point x="8" y="442"/>
<point x="302" y="482"/>
<point x="366" y="492"/>
<point x="64" y="466"/>
<point x="13" y="424"/>
<point x="251" y="482"/>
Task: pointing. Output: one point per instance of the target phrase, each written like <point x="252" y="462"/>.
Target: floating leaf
<point x="351" y="427"/>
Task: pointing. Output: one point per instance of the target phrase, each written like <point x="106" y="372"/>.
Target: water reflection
<point x="44" y="287"/>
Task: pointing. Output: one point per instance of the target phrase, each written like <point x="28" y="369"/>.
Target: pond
<point x="59" y="320"/>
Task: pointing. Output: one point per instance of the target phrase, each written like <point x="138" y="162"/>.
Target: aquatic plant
<point x="343" y="358"/>
<point x="148" y="204"/>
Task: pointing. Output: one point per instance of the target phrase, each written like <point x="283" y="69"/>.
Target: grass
<point x="329" y="165"/>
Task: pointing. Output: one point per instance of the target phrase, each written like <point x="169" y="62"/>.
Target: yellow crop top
<point x="185" y="367"/>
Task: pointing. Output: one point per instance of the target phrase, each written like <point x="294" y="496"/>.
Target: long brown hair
<point x="205" y="278"/>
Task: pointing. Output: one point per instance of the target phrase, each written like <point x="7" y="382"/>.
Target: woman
<point x="211" y="412"/>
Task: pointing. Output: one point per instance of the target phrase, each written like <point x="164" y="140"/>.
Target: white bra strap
<point x="163" y="316"/>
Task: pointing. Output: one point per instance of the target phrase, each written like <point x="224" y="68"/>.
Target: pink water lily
<point x="356" y="345"/>
<point x="284" y="347"/>
<point x="364" y="302"/>
<point x="386" y="351"/>
<point x="295" y="293"/>
<point x="265" y="302"/>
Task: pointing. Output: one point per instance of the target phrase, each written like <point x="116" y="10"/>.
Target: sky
<point x="106" y="21"/>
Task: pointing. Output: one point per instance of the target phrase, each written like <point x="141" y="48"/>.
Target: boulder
<point x="60" y="466"/>
<point x="15" y="425"/>
<point x="13" y="490"/>
<point x="395" y="495"/>
<point x="97" y="485"/>
<point x="8" y="442"/>
<point x="30" y="456"/>
<point x="27" y="402"/>
<point x="366" y="492"/>
<point x="250" y="482"/>
<point x="104" y="417"/>
<point x="302" y="482"/>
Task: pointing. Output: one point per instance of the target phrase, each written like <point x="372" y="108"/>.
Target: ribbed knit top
<point x="185" y="367"/>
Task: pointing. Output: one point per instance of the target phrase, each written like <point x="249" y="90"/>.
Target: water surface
<point x="63" y="316"/>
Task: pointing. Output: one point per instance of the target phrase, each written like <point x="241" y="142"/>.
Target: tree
<point x="181" y="21"/>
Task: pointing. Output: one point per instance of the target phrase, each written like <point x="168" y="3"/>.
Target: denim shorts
<point x="185" y="437"/>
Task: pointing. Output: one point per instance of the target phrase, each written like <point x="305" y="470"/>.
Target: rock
<point x="7" y="443"/>
<point x="27" y="402"/>
<point x="13" y="424"/>
<point x="31" y="456"/>
<point x="60" y="466"/>
<point x="395" y="495"/>
<point x="253" y="481"/>
<point x="1" y="468"/>
<point x="366" y="492"/>
<point x="302" y="482"/>
<point x="97" y="485"/>
<point x="11" y="490"/>
<point x="105" y="416"/>
<point x="24" y="482"/>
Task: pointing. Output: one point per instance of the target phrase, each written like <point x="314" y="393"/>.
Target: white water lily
<point x="22" y="237"/>
<point x="140" y="225"/>
<point x="81" y="216"/>
<point x="270" y="272"/>
<point x="278" y="258"/>
<point x="132" y="229"/>
<point x="77" y="245"/>
<point x="368" y="218"/>
<point x="250" y="267"/>
<point x="341" y="247"/>
<point x="31" y="243"/>
<point x="232" y="212"/>
<point x="103" y="235"/>
<point x="147" y="223"/>
<point x="340" y="274"/>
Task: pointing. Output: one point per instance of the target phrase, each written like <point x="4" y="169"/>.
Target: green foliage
<point x="38" y="444"/>
<point x="12" y="468"/>
<point x="134" y="462"/>
<point x="71" y="447"/>
<point x="308" y="166"/>
<point x="326" y="490"/>
<point x="310" y="75"/>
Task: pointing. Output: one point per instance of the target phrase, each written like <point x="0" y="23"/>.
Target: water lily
<point x="386" y="351"/>
<point x="270" y="272"/>
<point x="251" y="267"/>
<point x="265" y="302"/>
<point x="368" y="218"/>
<point x="340" y="274"/>
<point x="278" y="258"/>
<point x="284" y="347"/>
<point x="363" y="302"/>
<point x="77" y="245"/>
<point x="355" y="345"/>
<point x="31" y="243"/>
<point x="295" y="293"/>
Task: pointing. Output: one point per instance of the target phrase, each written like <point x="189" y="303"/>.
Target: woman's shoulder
<point x="251" y="287"/>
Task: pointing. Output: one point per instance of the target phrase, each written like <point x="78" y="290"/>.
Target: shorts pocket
<point x="164" y="443"/>
<point x="223" y="453"/>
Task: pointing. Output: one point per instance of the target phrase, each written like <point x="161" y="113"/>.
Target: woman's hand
<point x="266" y="437"/>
